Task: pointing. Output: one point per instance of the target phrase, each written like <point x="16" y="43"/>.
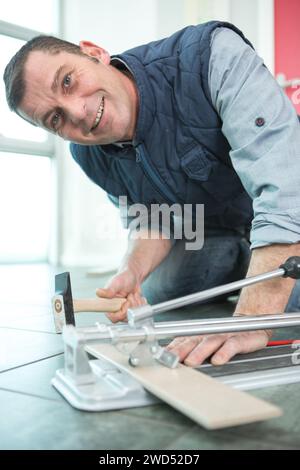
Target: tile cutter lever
<point x="291" y="268"/>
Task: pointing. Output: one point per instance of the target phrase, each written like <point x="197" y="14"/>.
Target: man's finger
<point x="204" y="350"/>
<point x="131" y="300"/>
<point x="120" y="315"/>
<point x="171" y="346"/>
<point x="183" y="346"/>
<point x="116" y="317"/>
<point x="137" y="300"/>
<point x="138" y="290"/>
<point x="107" y="293"/>
<point x="240" y="344"/>
<point x="230" y="348"/>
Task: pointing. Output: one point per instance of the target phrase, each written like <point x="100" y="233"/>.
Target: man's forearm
<point x="270" y="296"/>
<point x="144" y="254"/>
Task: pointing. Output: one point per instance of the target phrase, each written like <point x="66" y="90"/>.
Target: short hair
<point x="13" y="76"/>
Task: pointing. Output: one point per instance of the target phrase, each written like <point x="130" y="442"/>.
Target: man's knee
<point x="183" y="272"/>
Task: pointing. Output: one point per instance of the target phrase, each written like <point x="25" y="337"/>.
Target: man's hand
<point x="124" y="284"/>
<point x="193" y="350"/>
<point x="143" y="255"/>
<point x="268" y="297"/>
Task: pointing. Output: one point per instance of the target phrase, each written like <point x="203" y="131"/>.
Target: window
<point x="32" y="14"/>
<point x="25" y="151"/>
<point x="25" y="193"/>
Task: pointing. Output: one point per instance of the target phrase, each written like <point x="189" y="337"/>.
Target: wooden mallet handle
<point x="98" y="304"/>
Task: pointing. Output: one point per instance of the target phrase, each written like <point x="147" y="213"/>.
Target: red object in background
<point x="283" y="342"/>
<point x="287" y="44"/>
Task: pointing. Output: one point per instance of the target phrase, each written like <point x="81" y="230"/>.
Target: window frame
<point x="46" y="148"/>
<point x="49" y="148"/>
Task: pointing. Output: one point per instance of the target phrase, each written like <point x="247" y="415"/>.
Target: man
<point x="193" y="118"/>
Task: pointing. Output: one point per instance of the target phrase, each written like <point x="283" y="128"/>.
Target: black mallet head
<point x="62" y="302"/>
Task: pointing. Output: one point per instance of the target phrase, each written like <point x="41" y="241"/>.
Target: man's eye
<point x="67" y="80"/>
<point x="55" y="120"/>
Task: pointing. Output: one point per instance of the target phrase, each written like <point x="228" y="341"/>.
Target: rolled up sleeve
<point x="263" y="131"/>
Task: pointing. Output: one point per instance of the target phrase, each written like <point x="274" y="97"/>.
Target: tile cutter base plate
<point x="115" y="389"/>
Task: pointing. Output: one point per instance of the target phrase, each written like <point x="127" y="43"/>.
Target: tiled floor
<point x="35" y="416"/>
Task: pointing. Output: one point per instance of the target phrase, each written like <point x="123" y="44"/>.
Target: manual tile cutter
<point x="97" y="385"/>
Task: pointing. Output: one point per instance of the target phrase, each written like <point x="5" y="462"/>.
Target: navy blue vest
<point x="179" y="153"/>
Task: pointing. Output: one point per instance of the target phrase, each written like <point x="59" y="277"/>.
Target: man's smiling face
<point x="82" y="99"/>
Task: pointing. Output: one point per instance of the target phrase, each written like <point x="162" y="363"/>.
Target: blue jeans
<point x="224" y="258"/>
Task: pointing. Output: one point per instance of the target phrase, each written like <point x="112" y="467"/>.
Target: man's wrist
<point x="134" y="267"/>
<point x="144" y="255"/>
<point x="269" y="333"/>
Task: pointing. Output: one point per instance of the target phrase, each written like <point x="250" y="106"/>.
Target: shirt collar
<point x="146" y="111"/>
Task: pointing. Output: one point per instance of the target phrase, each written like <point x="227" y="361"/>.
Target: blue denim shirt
<point x="263" y="131"/>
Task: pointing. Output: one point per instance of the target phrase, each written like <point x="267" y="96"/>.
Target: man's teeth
<point x="99" y="114"/>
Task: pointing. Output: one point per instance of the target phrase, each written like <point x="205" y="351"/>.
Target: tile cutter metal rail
<point x="275" y="365"/>
<point x="97" y="385"/>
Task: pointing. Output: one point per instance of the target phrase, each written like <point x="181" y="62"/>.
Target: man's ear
<point x="92" y="50"/>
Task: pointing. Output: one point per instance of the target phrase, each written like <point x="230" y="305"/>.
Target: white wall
<point x="115" y="24"/>
<point x="256" y="20"/>
<point x="118" y="25"/>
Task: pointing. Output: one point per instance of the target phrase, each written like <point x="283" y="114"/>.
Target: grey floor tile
<point x="12" y="312"/>
<point x="19" y="347"/>
<point x="282" y="431"/>
<point x="35" y="423"/>
<point x="26" y="284"/>
<point x="221" y="440"/>
<point x="161" y="413"/>
<point x="34" y="379"/>
<point x="45" y="323"/>
<point x="41" y="323"/>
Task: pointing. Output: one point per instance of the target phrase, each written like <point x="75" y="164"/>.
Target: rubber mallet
<point x="64" y="306"/>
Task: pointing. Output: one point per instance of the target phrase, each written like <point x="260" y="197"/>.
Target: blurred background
<point x="50" y="211"/>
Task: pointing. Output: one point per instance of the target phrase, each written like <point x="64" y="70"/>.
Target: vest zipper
<point x="152" y="176"/>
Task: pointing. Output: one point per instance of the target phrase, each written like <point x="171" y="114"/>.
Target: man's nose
<point x="76" y="111"/>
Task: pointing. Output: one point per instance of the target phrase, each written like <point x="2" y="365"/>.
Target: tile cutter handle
<point x="291" y="268"/>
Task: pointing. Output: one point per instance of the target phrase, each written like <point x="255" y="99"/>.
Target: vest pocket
<point x="198" y="163"/>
